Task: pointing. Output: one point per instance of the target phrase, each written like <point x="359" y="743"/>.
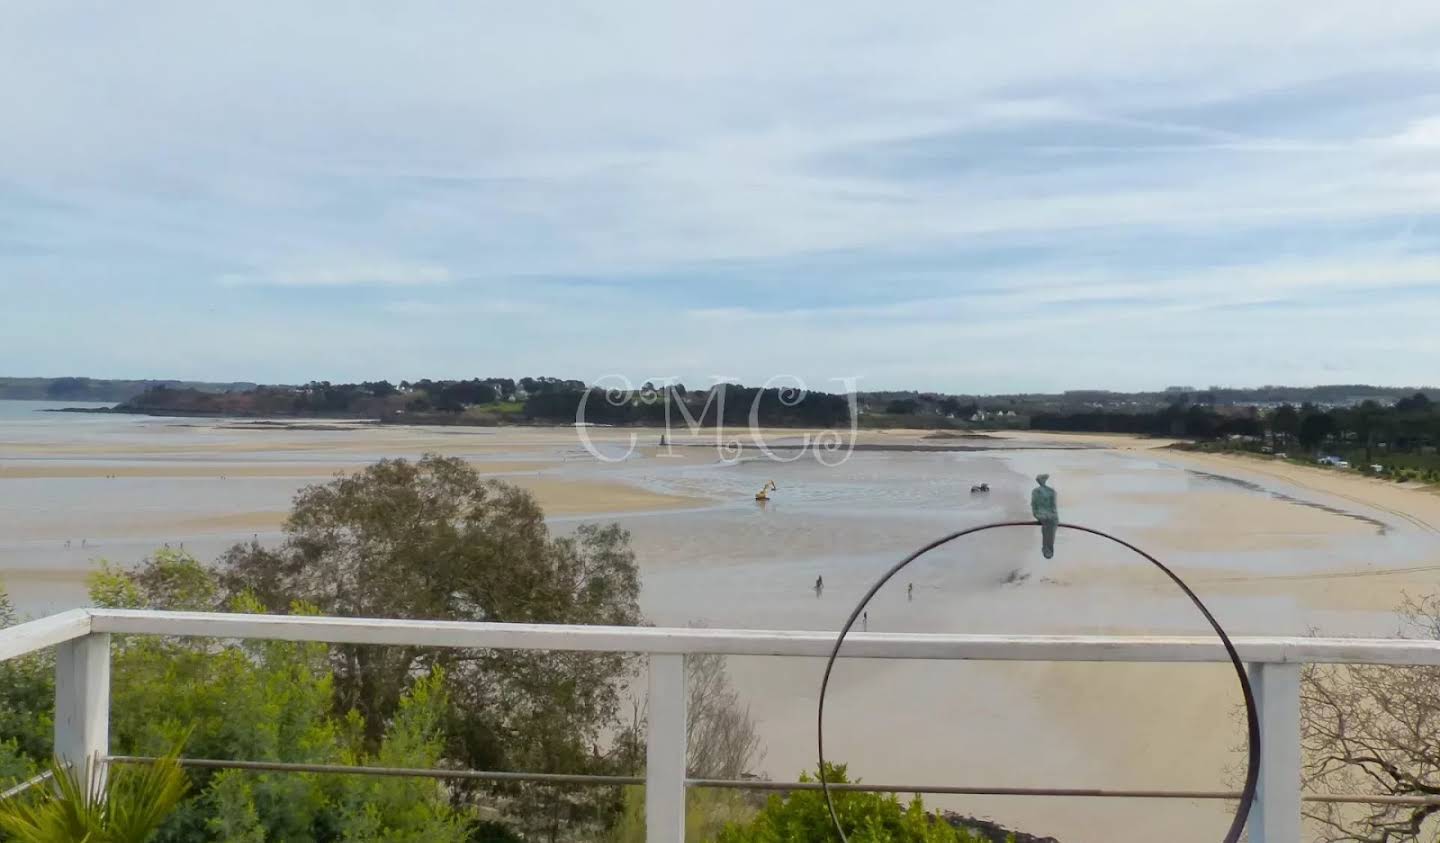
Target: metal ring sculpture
<point x="1252" y="770"/>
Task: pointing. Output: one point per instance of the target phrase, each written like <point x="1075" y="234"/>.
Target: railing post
<point x="665" y="751"/>
<point x="82" y="702"/>
<point x="1275" y="817"/>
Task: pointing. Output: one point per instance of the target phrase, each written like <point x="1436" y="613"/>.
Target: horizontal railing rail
<point x="20" y="787"/>
<point x="751" y="784"/>
<point x="749" y="642"/>
<point x="82" y="641"/>
<point x="77" y="623"/>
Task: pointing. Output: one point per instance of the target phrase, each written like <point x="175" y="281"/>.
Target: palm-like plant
<point x="125" y="804"/>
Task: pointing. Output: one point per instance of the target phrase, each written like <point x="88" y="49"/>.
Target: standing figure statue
<point x="1042" y="505"/>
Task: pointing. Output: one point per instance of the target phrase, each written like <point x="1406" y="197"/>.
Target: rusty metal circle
<point x="1252" y="718"/>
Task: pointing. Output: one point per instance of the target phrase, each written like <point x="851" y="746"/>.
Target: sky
<point x="954" y="196"/>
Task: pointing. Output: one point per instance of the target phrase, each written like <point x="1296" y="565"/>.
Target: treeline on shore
<point x="505" y="400"/>
<point x="98" y="389"/>
<point x="1410" y="425"/>
<point x="1401" y="438"/>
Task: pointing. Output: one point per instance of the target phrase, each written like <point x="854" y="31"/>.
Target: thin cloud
<point x="345" y="275"/>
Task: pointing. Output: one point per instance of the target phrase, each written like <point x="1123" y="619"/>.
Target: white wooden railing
<point x="82" y="665"/>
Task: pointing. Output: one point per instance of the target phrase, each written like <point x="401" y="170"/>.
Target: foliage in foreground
<point x="866" y="818"/>
<point x="431" y="539"/>
<point x="254" y="700"/>
<point x="125" y="805"/>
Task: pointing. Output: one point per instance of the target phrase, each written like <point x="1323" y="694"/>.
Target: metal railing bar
<point x="1365" y="799"/>
<point x="16" y="790"/>
<point x="684" y="641"/>
<point x="1102" y="793"/>
<point x="409" y="772"/>
<point x="751" y="784"/>
<point x="861" y="787"/>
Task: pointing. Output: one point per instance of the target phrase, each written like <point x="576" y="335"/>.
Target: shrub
<point x="866" y="818"/>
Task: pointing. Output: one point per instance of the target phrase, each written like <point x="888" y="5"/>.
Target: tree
<point x="1315" y="428"/>
<point x="1417" y="403"/>
<point x="432" y="539"/>
<point x="866" y="817"/>
<point x="1368" y="728"/>
<point x="1285" y="423"/>
<point x="719" y="731"/>
<point x="1200" y="423"/>
<point x="1363" y="421"/>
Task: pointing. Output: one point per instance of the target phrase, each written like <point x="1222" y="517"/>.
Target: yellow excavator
<point x="764" y="493"/>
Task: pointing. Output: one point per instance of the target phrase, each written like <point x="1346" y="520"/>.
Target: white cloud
<point x="1423" y="133"/>
<point x="345" y="275"/>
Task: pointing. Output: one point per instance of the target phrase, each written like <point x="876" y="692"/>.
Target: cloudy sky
<point x="963" y="196"/>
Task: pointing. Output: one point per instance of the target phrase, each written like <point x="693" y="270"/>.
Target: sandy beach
<point x="1272" y="547"/>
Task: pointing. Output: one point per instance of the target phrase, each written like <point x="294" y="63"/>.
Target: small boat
<point x="764" y="494"/>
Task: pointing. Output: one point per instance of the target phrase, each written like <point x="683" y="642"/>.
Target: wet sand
<point x="1273" y="548"/>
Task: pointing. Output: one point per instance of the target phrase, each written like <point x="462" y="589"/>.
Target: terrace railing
<point x="82" y="690"/>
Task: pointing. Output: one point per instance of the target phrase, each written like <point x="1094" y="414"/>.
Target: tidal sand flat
<point x="1272" y="548"/>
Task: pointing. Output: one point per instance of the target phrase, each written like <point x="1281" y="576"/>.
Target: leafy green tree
<point x="383" y="809"/>
<point x="866" y="818"/>
<point x="1285" y="423"/>
<point x="1315" y="428"/>
<point x="431" y="539"/>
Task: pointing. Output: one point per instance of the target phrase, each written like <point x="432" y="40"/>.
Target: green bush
<point x="252" y="700"/>
<point x="802" y="816"/>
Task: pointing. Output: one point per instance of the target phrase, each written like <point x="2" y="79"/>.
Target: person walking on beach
<point x="819" y="586"/>
<point x="910" y="592"/>
<point x="865" y="622"/>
